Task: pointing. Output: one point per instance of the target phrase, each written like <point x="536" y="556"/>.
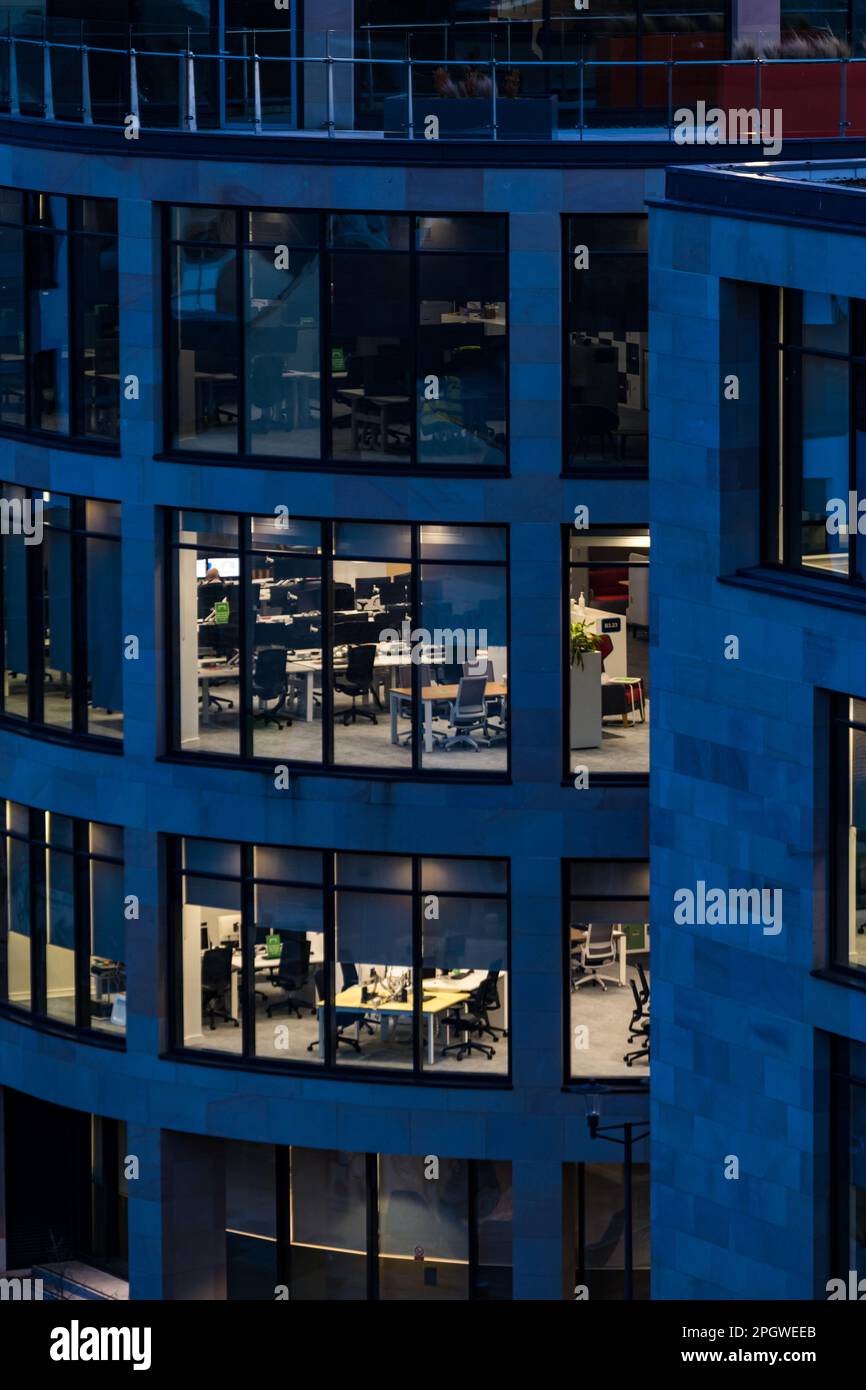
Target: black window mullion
<point x="372" y="1227"/>
<point x="325" y="420"/>
<point x="38" y="917"/>
<point x="417" y="983"/>
<point x="75" y="355"/>
<point x="473" y="1232"/>
<point x="4" y="907"/>
<point x="283" y="1214"/>
<point x="415" y="669"/>
<point x="246" y="984"/>
<point x="329" y="969"/>
<point x="175" y="942"/>
<point x="792" y="467"/>
<point x="81" y="919"/>
<point x="27" y="248"/>
<point x="78" y="605"/>
<point x="415" y="308"/>
<point x="852" y="447"/>
<point x="241" y="311"/>
<point x="246" y="632"/>
<point x="36" y="607"/>
<point x="328" y="644"/>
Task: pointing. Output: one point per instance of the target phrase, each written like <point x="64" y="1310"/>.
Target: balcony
<point x="341" y="93"/>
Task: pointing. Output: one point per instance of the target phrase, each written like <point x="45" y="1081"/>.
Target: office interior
<point x="850" y="732"/>
<point x="457" y="717"/>
<point x="608" y="969"/>
<point x="606" y="1230"/>
<point x="609" y="647"/>
<point x="463" y="971"/>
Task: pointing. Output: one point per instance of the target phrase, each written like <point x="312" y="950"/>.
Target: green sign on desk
<point x="273" y="946"/>
<point x="221" y="611"/>
<point x="338" y="359"/>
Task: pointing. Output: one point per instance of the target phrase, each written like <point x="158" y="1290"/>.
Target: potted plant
<point x="462" y="104"/>
<point x="585" y="687"/>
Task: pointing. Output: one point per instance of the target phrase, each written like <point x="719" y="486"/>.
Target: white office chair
<point x="597" y="949"/>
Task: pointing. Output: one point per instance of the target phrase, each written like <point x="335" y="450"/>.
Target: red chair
<point x="607" y="589"/>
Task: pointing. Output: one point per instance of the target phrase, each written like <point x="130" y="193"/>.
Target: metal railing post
<point x="758" y="84"/>
<point x="86" y="101"/>
<point x="329" y="67"/>
<point x="14" y="102"/>
<point x="191" y="113"/>
<point x="257" y="95"/>
<point x="493" y="95"/>
<point x="181" y="90"/>
<point x="47" y="85"/>
<point x="133" y="86"/>
<point x="410" y="91"/>
<point x="843" y="98"/>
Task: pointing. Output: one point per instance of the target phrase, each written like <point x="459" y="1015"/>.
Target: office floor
<point x="362" y="744"/>
<point x="606" y="1015"/>
<point x="285" y="1038"/>
<point x="57" y="709"/>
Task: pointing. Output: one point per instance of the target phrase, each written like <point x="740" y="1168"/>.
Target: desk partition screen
<point x="356" y="338"/>
<point x="360" y="963"/>
<point x="63" y="931"/>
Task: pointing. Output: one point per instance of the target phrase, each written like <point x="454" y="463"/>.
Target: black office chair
<point x="644" y="983"/>
<point x="468" y="713"/>
<point x="350" y="978"/>
<point x="216" y="979"/>
<point x="293" y="973"/>
<point x="639" y="1027"/>
<point x="494" y="1003"/>
<point x="358" y="680"/>
<point x="474" y="1022"/>
<point x="344" y="1020"/>
<point x="270" y="683"/>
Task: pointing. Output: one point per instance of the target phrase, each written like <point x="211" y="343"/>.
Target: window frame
<point x="36" y="600"/>
<point x="38" y="845"/>
<point x="75" y="437"/>
<point x="246" y="757"/>
<point x="324" y="461"/>
<point x="417" y="1074"/>
<point x="636" y="1082"/>
<point x="636" y="469"/>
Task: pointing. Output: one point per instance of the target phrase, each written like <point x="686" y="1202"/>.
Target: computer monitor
<point x="229" y="566"/>
<point x="205" y="939"/>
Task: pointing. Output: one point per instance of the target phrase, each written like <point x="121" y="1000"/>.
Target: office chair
<point x="270" y="682"/>
<point x="468" y="713"/>
<point x="350" y="978"/>
<point x="644" y="983"/>
<point x="639" y="1027"/>
<point x="344" y="1020"/>
<point x="293" y="973"/>
<point x="216" y="978"/>
<point x="358" y="680"/>
<point x="493" y="1004"/>
<point x="597" y="950"/>
<point x="618" y="692"/>
<point x="474" y="1023"/>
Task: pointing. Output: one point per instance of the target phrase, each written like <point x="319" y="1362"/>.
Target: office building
<point x="330" y="392"/>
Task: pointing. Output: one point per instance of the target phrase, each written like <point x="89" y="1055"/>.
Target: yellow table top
<point x="351" y="999"/>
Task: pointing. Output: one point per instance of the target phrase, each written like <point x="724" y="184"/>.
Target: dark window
<point x="607" y="1228"/>
<point x="331" y="1225"/>
<point x="344" y="644"/>
<point x="61" y="618"/>
<point x="361" y="961"/>
<point x="607" y="622"/>
<point x="814" y="423"/>
<point x="606" y="345"/>
<point x="849" y="803"/>
<point x="59" y="315"/>
<point x="62" y="928"/>
<point x="360" y="338"/>
<point x="607" y="969"/>
<point x="848" y="1173"/>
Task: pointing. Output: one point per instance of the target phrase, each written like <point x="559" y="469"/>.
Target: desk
<point x="372" y="410"/>
<point x="430" y="696"/>
<point x="349" y="1001"/>
<point x="474" y="980"/>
